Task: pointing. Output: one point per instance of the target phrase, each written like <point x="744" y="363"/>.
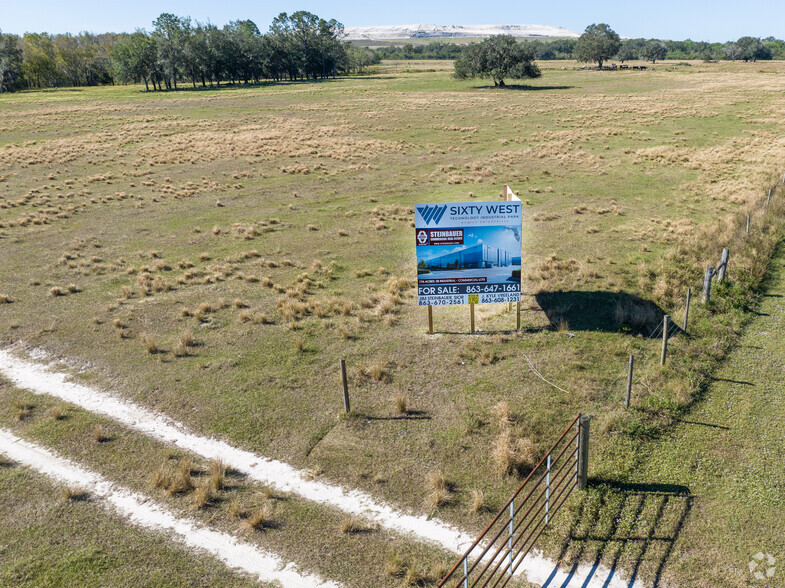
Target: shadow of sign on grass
<point x="600" y="311"/>
<point x="629" y="529"/>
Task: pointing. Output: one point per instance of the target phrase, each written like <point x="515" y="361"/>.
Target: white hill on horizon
<point x="420" y="31"/>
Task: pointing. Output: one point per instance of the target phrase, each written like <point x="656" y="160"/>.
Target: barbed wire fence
<point x="645" y="353"/>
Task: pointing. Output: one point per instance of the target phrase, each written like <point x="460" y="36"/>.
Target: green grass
<point x="695" y="506"/>
<point x="301" y="531"/>
<point x="658" y="160"/>
<point x="51" y="541"/>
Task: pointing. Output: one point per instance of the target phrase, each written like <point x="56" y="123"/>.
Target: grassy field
<point x="212" y="254"/>
<point x="49" y="540"/>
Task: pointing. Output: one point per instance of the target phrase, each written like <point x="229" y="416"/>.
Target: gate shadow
<point x="600" y="311"/>
<point x="626" y="528"/>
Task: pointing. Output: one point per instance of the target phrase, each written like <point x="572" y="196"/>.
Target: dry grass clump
<point x="354" y="524"/>
<point x="57" y="412"/>
<point x="377" y="372"/>
<point x="159" y="284"/>
<point x="477" y="503"/>
<point x="217" y="474"/>
<point x="149" y="343"/>
<point x="236" y="509"/>
<point x="5" y="299"/>
<point x="299" y="344"/>
<point x="411" y="573"/>
<point x="101" y="434"/>
<point x="440" y="491"/>
<point x="177" y="481"/>
<point x="57" y="291"/>
<point x="203" y="496"/>
<point x="261" y="518"/>
<point x="161" y="478"/>
<point x="511" y="455"/>
<point x="23" y="410"/>
<point x="396" y="566"/>
<point x="402" y="402"/>
<point x="503" y="415"/>
<point x="399" y="285"/>
<point x="292" y="309"/>
<point x="74" y="493"/>
<point x="187" y="339"/>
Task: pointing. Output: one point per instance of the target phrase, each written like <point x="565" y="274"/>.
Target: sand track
<point x="41" y="379"/>
<point x="141" y="511"/>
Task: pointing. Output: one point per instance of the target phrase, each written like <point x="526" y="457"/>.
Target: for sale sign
<point x="468" y="252"/>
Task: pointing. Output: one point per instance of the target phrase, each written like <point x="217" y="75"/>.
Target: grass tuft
<point x="57" y="412"/>
<point x="217" y="474"/>
<point x="401" y="403"/>
<point x="261" y="518"/>
<point x="352" y="525"/>
<point x="477" y="503"/>
<point x="203" y="496"/>
<point x="74" y="493"/>
<point x="149" y="343"/>
<point x="100" y="434"/>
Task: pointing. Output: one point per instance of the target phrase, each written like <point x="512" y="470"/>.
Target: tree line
<point x="178" y="50"/>
<point x="743" y="49"/>
<point x="299" y="46"/>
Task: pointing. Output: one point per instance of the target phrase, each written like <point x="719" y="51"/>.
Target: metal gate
<point x="497" y="553"/>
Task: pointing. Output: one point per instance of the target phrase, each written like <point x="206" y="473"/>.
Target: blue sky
<point x="706" y="20"/>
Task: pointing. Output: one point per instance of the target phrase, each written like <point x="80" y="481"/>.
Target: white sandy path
<point x="40" y="379"/>
<point x="141" y="511"/>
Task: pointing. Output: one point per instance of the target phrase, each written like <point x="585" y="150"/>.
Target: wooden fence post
<point x="471" y="317"/>
<point x="724" y="260"/>
<point x="629" y="381"/>
<point x="687" y="309"/>
<point x="707" y="284"/>
<point x="430" y="319"/>
<point x="769" y="198"/>
<point x="345" y="386"/>
<point x="665" y="325"/>
<point x="518" y="322"/>
<point x="748" y="224"/>
<point x="583" y="451"/>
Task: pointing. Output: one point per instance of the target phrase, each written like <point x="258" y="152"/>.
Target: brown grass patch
<point x="477" y="503"/>
<point x="149" y="343"/>
<point x="261" y="518"/>
<point x="402" y="403"/>
<point x="217" y="475"/>
<point x="511" y="455"/>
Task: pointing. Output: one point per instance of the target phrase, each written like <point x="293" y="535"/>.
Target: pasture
<point x="211" y="254"/>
